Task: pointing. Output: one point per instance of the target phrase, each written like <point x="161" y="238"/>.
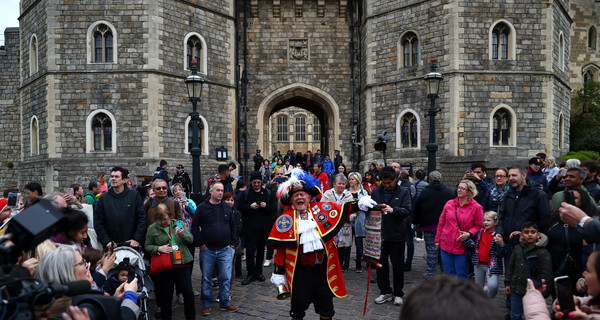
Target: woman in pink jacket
<point x="461" y="218"/>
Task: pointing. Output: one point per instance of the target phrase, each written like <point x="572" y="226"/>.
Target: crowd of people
<point x="541" y="217"/>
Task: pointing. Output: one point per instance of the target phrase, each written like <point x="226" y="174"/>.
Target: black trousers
<point x="310" y="285"/>
<point x="164" y="288"/>
<point x="393" y="251"/>
<point x="255" y="251"/>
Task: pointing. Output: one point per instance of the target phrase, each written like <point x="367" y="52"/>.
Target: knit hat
<point x="300" y="180"/>
<point x="255" y="175"/>
<point x="124" y="265"/>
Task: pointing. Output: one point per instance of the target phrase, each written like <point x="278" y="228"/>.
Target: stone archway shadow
<point x="304" y="96"/>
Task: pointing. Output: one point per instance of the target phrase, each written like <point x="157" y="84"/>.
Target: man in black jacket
<point x="183" y="178"/>
<point x="396" y="215"/>
<point x="119" y="214"/>
<point x="427" y="210"/>
<point x="258" y="213"/>
<point x="213" y="227"/>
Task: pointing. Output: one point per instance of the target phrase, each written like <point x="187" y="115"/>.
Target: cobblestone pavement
<point x="258" y="299"/>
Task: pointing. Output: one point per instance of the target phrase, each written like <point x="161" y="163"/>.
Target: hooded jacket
<point x="531" y="205"/>
<point x="516" y="275"/>
<point x="120" y="217"/>
<point x="394" y="225"/>
<point x="470" y="218"/>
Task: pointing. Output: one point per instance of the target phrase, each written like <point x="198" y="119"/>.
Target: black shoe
<point x="407" y="267"/>
<point x="374" y="280"/>
<point x="260" y="278"/>
<point x="248" y="280"/>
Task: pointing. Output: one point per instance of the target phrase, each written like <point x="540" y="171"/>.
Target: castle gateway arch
<point x="307" y="97"/>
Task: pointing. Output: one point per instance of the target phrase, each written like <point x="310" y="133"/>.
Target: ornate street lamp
<point x="194" y="84"/>
<point x="433" y="80"/>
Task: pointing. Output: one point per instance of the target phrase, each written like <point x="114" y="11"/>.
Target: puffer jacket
<point x="470" y="217"/>
<point x="495" y="257"/>
<point x="516" y="276"/>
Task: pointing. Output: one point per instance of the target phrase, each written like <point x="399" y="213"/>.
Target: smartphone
<point x="12" y="199"/>
<point x="562" y="286"/>
<point x="179" y="225"/>
<point x="182" y="195"/>
<point x="533" y="271"/>
<point x="563" y="172"/>
<point x="468" y="170"/>
<point x="280" y="179"/>
<point x="571" y="197"/>
<point x="71" y="191"/>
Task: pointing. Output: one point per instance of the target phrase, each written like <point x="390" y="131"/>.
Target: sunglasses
<point x="160" y="188"/>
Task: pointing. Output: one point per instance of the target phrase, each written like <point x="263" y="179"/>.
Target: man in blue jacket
<point x="396" y="215"/>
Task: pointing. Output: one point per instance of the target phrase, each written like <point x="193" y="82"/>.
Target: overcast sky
<point x="9" y="15"/>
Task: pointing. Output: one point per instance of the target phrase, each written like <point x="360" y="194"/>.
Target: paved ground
<point x="258" y="299"/>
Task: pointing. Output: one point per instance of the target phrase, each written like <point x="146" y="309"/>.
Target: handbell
<point x="283" y="292"/>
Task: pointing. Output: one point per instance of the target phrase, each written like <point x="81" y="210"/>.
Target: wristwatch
<point x="581" y="223"/>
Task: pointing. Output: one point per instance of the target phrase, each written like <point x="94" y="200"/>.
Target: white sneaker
<point x="267" y="263"/>
<point x="180" y="298"/>
<point x="384" y="298"/>
<point x="419" y="239"/>
<point x="398" y="301"/>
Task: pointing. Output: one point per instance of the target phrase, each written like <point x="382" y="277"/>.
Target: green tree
<point x="585" y="118"/>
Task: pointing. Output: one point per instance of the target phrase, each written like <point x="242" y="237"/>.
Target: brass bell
<point x="283" y="292"/>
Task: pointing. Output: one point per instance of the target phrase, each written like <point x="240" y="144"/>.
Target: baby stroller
<point x="145" y="285"/>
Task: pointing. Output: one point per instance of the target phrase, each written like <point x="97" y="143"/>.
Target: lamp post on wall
<point x="433" y="80"/>
<point x="194" y="84"/>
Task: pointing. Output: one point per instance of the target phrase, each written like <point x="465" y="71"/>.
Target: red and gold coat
<point x="330" y="218"/>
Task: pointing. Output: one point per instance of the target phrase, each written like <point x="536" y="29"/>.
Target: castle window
<point x="316" y="129"/>
<point x="102" y="128"/>
<point x="592" y="38"/>
<point x="202" y="135"/>
<point x="407" y="130"/>
<point x="561" y="131"/>
<point x="561" y="52"/>
<point x="503" y="124"/>
<point x="102" y="43"/>
<point x="502" y="41"/>
<point x="300" y="128"/>
<point x="282" y="128"/>
<point x="33" y="55"/>
<point x="195" y="51"/>
<point x="588" y="76"/>
<point x="410" y="49"/>
<point x="101" y="132"/>
<point x="34" y="136"/>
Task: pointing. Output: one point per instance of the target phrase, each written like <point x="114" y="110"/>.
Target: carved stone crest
<point x="298" y="49"/>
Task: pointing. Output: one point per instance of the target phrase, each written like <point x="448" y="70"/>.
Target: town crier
<point x="303" y="235"/>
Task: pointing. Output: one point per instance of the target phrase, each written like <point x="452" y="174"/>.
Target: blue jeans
<point x="455" y="264"/>
<point x="516" y="306"/>
<point x="223" y="258"/>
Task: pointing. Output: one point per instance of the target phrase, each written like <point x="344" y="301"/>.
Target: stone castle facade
<point x="87" y="87"/>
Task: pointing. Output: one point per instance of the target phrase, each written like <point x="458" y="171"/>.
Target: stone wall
<point x="582" y="57"/>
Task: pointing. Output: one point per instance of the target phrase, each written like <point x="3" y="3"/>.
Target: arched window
<point x="101" y="132"/>
<point x="34" y="136"/>
<point x="588" y="76"/>
<point x="202" y="135"/>
<point x="190" y="136"/>
<point x="592" y="38"/>
<point x="33" y="55"/>
<point x="316" y="129"/>
<point x="300" y="128"/>
<point x="195" y="51"/>
<point x="407" y="130"/>
<point x="502" y="41"/>
<point x="502" y="127"/>
<point x="282" y="128"/>
<point x="410" y="49"/>
<point x="561" y="131"/>
<point x="102" y="43"/>
<point x="561" y="51"/>
<point x="102" y="129"/>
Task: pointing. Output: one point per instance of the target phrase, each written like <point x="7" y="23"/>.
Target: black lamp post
<point x="432" y="79"/>
<point x="194" y="84"/>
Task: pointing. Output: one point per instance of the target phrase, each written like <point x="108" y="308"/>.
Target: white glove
<point x="278" y="279"/>
<point x="365" y="203"/>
